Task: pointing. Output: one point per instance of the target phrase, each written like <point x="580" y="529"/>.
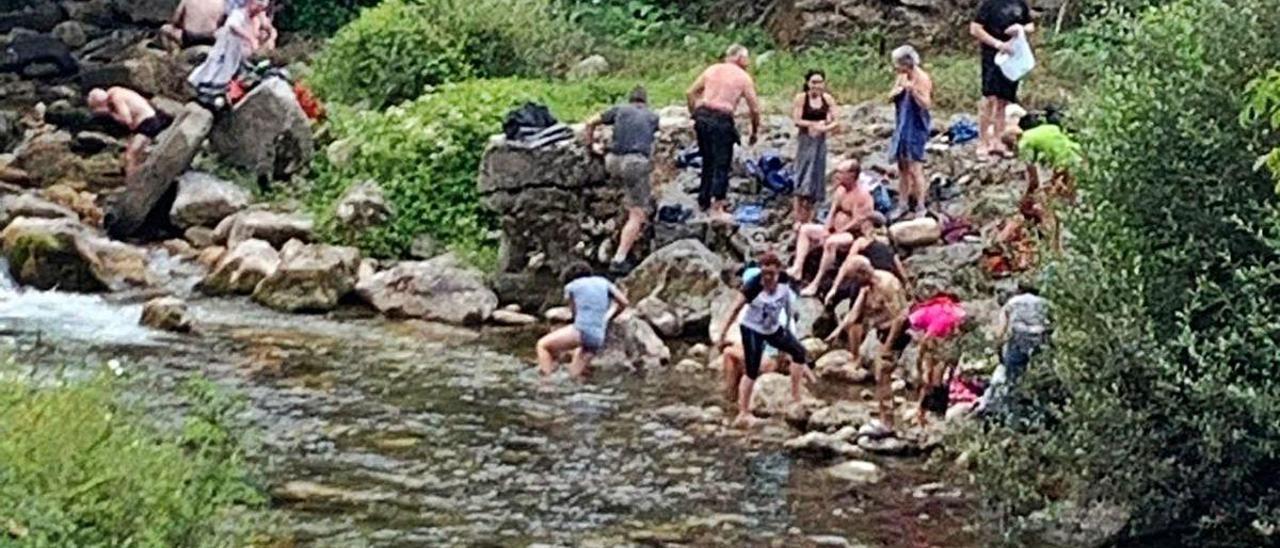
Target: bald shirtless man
<point x="882" y="308"/>
<point x="851" y="204"/>
<point x="712" y="100"/>
<point x="134" y="112"/>
<point x="194" y="23"/>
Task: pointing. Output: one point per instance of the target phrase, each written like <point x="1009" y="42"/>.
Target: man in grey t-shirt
<point x="629" y="163"/>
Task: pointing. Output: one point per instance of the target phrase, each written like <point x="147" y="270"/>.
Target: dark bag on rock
<point x="530" y="116"/>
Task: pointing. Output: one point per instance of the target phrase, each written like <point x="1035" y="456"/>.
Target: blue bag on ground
<point x="689" y="157"/>
<point x="770" y="171"/>
<point x="749" y="214"/>
<point x="962" y="131"/>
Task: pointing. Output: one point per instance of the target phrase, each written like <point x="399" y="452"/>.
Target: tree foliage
<point x="1162" y="395"/>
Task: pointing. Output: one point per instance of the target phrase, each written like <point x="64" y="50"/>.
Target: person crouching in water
<point x="734" y="358"/>
<point x="766" y="296"/>
<point x="591" y="298"/>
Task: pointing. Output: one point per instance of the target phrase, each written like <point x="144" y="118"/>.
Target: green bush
<point x="319" y="17"/>
<point x="1162" y="396"/>
<point x="425" y="154"/>
<point x="79" y="467"/>
<point x="392" y="52"/>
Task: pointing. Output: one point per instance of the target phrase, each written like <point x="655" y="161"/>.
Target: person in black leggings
<point x="766" y="296"/>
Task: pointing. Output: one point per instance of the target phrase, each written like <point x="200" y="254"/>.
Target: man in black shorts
<point x="630" y="164"/>
<point x="135" y="112"/>
<point x="996" y="24"/>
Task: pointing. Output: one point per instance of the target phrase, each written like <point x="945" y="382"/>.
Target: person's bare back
<point x="125" y="106"/>
<point x="724" y="86"/>
<point x="886" y="300"/>
<point x="201" y="17"/>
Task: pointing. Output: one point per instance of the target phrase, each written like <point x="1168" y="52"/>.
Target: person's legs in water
<point x="929" y="376"/>
<point x="580" y="367"/>
<point x="553" y="344"/>
<point x="833" y="245"/>
<point x="791" y="357"/>
<point x="805" y="238"/>
<point x="733" y="368"/>
<point x="753" y="353"/>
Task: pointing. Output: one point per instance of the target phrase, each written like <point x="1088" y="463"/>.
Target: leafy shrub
<point x="392" y="52"/>
<point x="1264" y="105"/>
<point x="78" y="467"/>
<point x="319" y="17"/>
<point x="1162" y="396"/>
<point x="425" y="154"/>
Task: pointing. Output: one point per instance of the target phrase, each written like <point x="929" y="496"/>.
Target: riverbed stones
<point x="840" y="366"/>
<point x="772" y="395"/>
<point x="631" y="342"/>
<point x="13" y="206"/>
<point x="442" y="289"/>
<point x="43" y="254"/>
<point x="363" y="206"/>
<point x="559" y="314"/>
<point x="309" y="278"/>
<point x="269" y="226"/>
<point x="205" y="200"/>
<point x="240" y="270"/>
<point x="857" y="471"/>
<point x="684" y="278"/>
<point x="823" y="445"/>
<point x="167" y="314"/>
<point x="838" y="416"/>
<point x="512" y="318"/>
<point x="267" y="133"/>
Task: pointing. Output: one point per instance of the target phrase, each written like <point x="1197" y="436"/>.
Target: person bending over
<point x="765" y="297"/>
<point x="135" y="112"/>
<point x="595" y="302"/>
<point x="881" y="308"/>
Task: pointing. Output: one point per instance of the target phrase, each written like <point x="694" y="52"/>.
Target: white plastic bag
<point x="1020" y="61"/>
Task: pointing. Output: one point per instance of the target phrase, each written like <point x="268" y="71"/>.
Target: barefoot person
<point x="994" y="26"/>
<point x="873" y="245"/>
<point x="135" y="112"/>
<point x="881" y="307"/>
<point x="194" y="23"/>
<point x="734" y="358"/>
<point x="852" y="203"/>
<point x="712" y="100"/>
<point x="591" y="298"/>
<point x="238" y="40"/>
<point x="630" y="165"/>
<point x="765" y="296"/>
<point x="912" y="96"/>
<point x="814" y="113"/>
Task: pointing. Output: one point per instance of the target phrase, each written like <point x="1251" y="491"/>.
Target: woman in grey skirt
<point x="814" y="113"/>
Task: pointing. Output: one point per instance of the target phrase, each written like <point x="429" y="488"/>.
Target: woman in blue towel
<point x="912" y="97"/>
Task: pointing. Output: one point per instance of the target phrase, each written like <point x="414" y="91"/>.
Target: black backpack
<point x="531" y="115"/>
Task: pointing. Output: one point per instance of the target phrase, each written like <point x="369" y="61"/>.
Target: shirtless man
<point x="872" y="246"/>
<point x="712" y="101"/>
<point x="851" y="204"/>
<point x="194" y="23"/>
<point x="134" y="112"/>
<point x="881" y="307"/>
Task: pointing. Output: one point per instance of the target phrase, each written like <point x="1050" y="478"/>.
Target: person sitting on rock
<point x="630" y="164"/>
<point x="881" y="308"/>
<point x="595" y="302"/>
<point x="765" y="296"/>
<point x="734" y="358"/>
<point x="850" y="206"/>
<point x="712" y="101"/>
<point x="872" y="244"/>
<point x="135" y="112"/>
<point x="194" y="23"/>
<point x="238" y="40"/>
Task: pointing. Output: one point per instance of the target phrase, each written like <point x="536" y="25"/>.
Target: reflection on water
<point x="385" y="434"/>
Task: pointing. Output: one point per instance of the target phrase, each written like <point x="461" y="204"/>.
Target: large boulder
<point x="168" y="159"/>
<point x="916" y="232"/>
<point x="363" y="206"/>
<point x="274" y="228"/>
<point x="166" y="314"/>
<point x="205" y="200"/>
<point x="841" y="366"/>
<point x="241" y="269"/>
<point x="43" y="254"/>
<point x="310" y="278"/>
<point x="267" y="133"/>
<point x="685" y="276"/>
<point x="442" y="289"/>
<point x="772" y="395"/>
<point x="632" y="342"/>
<point x="46" y="158"/>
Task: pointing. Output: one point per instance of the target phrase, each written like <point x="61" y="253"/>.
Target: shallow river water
<point x="377" y="433"/>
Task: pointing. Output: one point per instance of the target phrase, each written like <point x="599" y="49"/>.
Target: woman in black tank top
<point x="814" y="113"/>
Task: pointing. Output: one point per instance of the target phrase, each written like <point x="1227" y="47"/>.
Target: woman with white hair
<point x="912" y="96"/>
<point x="237" y="40"/>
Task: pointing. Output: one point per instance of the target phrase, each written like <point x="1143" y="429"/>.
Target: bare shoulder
<point x="831" y="99"/>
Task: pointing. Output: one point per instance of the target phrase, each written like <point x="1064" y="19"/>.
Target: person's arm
<point x="835" y="207"/>
<point x="694" y="92"/>
<point x="976" y="29"/>
<point x="739" y="301"/>
<point x="122" y="112"/>
<point x="621" y="301"/>
<point x="922" y="89"/>
<point x="797" y="113"/>
<point x="901" y="272"/>
<point x="895" y="331"/>
<point x="753" y="105"/>
<point x="855" y="313"/>
<point x="833" y="113"/>
<point x="179" y="14"/>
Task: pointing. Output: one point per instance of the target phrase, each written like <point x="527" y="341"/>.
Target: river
<point x="380" y="433"/>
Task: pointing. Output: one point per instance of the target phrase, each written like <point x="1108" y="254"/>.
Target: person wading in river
<point x="766" y="296"/>
<point x="712" y="100"/>
<point x="629" y="163"/>
<point x="592" y="299"/>
<point x="881" y="307"/>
